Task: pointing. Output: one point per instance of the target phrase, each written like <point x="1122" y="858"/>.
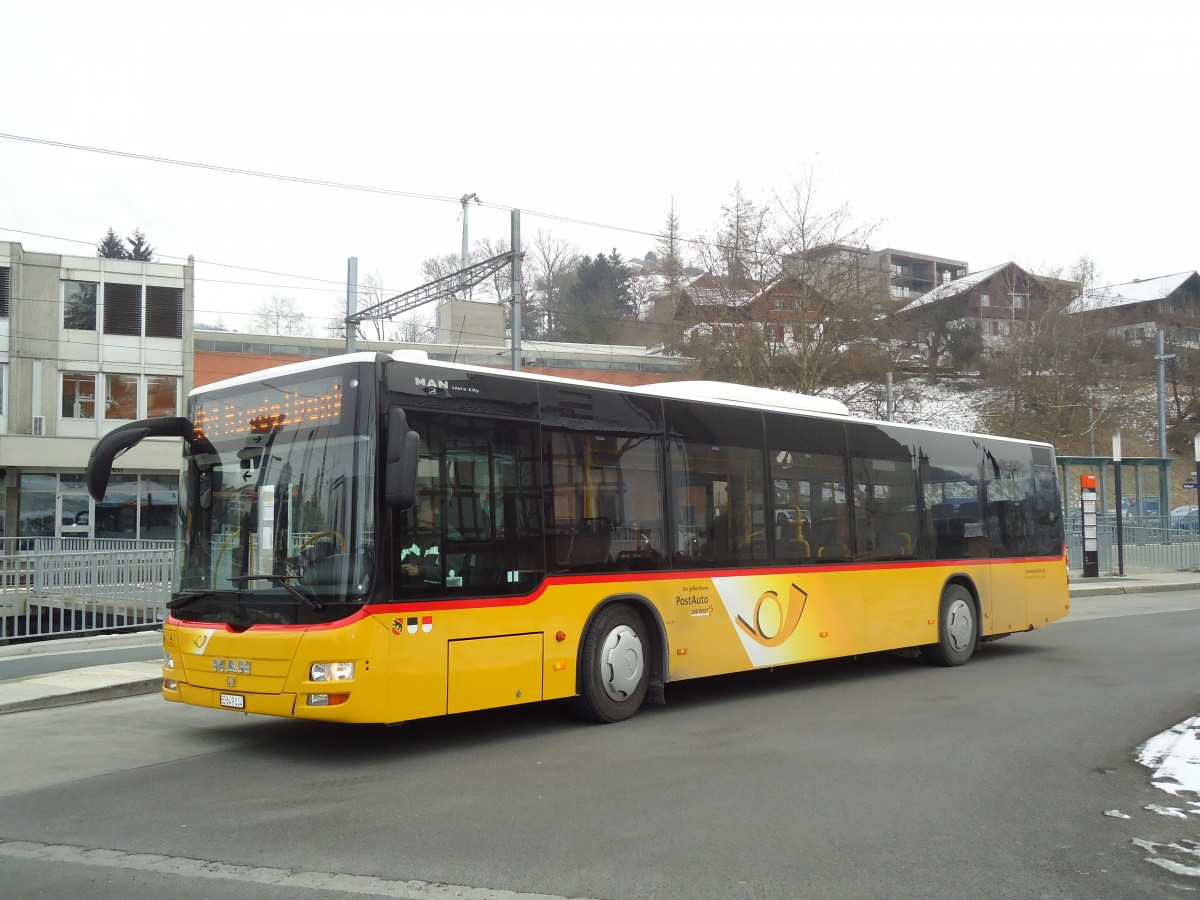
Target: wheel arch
<point x="656" y="657"/>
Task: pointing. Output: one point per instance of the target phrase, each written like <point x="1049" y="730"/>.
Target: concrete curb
<point x="107" y="692"/>
<point x="81" y="644"/>
<point x="1136" y="587"/>
<point x="86" y="685"/>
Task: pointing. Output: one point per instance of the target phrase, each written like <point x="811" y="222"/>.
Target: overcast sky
<point x="1036" y="132"/>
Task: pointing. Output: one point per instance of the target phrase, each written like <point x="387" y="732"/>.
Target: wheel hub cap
<point x="621" y="662"/>
<point x="960" y="625"/>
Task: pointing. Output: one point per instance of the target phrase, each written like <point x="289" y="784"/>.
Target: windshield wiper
<point x="187" y="598"/>
<point x="282" y="581"/>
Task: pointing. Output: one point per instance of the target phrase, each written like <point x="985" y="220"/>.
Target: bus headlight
<point x="168" y="661"/>
<point x="337" y="671"/>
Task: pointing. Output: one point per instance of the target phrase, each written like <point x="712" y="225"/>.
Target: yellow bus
<point x="377" y="538"/>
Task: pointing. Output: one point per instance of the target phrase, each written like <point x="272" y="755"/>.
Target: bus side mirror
<point x="400" y="464"/>
<point x="117" y="441"/>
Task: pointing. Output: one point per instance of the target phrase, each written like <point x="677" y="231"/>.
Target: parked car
<point x="1184" y="518"/>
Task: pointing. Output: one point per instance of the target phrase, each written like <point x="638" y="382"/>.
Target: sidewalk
<point x="1135" y="581"/>
<point x="66" y="685"/>
<point x="104" y="682"/>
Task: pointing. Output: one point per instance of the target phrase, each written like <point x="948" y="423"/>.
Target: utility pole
<point x="1161" y="357"/>
<point x="1164" y="484"/>
<point x="351" y="302"/>
<point x="518" y="288"/>
<point x="464" y="200"/>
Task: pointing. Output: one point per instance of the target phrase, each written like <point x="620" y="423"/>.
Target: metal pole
<point x="1197" y="477"/>
<point x="517" y="289"/>
<point x="351" y="302"/>
<point x="891" y="404"/>
<point x="464" y="200"/>
<point x="1117" y="485"/>
<point x="1161" y="357"/>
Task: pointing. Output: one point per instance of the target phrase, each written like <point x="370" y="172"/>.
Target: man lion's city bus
<point x="577" y="541"/>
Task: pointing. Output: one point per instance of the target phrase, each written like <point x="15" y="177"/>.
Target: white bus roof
<point x="717" y="391"/>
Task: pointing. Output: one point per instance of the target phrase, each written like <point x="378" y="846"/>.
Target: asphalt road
<point x="877" y="777"/>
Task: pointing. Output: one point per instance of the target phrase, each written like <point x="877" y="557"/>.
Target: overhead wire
<point x="335" y="286"/>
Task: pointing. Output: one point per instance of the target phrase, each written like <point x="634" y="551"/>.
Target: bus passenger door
<point x="1009" y="603"/>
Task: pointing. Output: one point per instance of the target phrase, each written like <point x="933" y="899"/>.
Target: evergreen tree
<point x="111" y="247"/>
<point x="139" y="247"/>
<point x="597" y="300"/>
<point x="670" y="257"/>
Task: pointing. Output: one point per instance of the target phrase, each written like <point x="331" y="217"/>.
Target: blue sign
<point x="1189" y="485"/>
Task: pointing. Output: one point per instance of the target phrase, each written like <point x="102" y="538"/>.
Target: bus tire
<point x="958" y="629"/>
<point x="613" y="667"/>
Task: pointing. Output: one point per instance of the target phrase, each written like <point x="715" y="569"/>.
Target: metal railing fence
<point x="71" y="586"/>
<point x="1145" y="544"/>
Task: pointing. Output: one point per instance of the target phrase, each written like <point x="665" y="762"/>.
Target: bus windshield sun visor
<point x="117" y="441"/>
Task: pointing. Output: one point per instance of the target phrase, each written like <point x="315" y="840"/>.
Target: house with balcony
<point x="891" y="277"/>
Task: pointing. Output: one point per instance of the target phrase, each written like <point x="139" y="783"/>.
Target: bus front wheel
<point x="613" y="674"/>
<point x="958" y="630"/>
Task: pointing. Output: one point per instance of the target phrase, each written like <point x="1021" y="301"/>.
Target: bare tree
<point x="280" y="315"/>
<point x="1052" y="375"/>
<point x="743" y="250"/>
<point x="416" y="328"/>
<point x="436" y="267"/>
<point x="781" y="312"/>
<point x="498" y="287"/>
<point x="371" y="293"/>
<point x="548" y="261"/>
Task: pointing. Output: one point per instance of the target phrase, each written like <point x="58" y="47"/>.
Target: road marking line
<point x="363" y="885"/>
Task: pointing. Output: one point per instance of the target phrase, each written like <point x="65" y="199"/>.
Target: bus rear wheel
<point x="958" y="630"/>
<point x="613" y="673"/>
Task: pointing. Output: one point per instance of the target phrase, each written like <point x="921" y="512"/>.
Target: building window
<point x="164" y="312"/>
<point x="78" y="396"/>
<point x="1018" y="301"/>
<point x="5" y="290"/>
<point x="120" y="396"/>
<point x="984" y="300"/>
<point x="162" y="395"/>
<point x="79" y="305"/>
<point x="123" y="309"/>
<point x="36" y="505"/>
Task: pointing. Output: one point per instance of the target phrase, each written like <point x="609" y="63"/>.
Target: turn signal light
<point x="327" y="699"/>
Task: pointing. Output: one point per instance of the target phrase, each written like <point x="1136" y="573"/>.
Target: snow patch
<point x="1190" y="855"/>
<point x="1174" y="756"/>
<point x="1172" y="811"/>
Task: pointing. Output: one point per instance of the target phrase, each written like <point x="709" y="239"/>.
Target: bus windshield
<point x="277" y="522"/>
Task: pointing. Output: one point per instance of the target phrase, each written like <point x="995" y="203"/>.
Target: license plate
<point x="233" y="701"/>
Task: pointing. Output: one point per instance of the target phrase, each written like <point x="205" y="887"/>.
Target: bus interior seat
<point x="585" y="543"/>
